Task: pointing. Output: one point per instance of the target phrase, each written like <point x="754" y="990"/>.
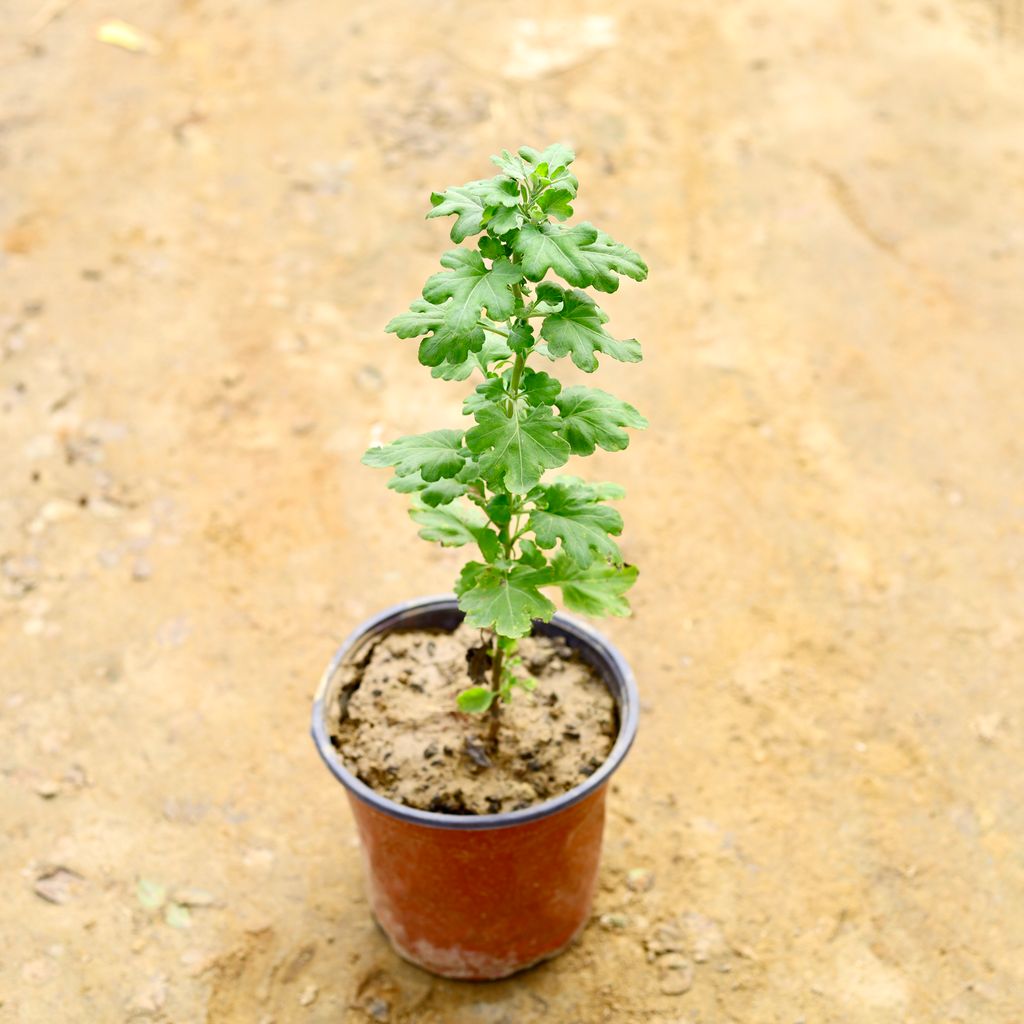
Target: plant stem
<point x="520" y="363"/>
<point x="517" y="375"/>
<point x="494" y="723"/>
<point x="507" y="540"/>
<point x="492" y="328"/>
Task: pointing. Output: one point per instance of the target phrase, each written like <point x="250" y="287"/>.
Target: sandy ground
<point x="200" y="245"/>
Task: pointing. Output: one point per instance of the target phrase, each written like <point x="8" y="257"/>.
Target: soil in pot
<point x="397" y="727"/>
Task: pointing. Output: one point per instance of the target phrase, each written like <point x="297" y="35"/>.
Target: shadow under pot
<point x="479" y="896"/>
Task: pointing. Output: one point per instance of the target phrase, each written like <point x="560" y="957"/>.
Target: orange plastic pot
<point x="480" y="896"/>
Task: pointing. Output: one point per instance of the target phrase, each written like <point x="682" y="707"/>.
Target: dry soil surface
<point x="822" y="820"/>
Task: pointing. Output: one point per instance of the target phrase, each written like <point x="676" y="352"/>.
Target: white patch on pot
<point x="453" y="961"/>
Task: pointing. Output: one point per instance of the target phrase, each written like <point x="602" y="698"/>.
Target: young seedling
<point x="492" y="310"/>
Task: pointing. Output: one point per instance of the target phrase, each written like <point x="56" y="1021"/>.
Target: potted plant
<point x="475" y="734"/>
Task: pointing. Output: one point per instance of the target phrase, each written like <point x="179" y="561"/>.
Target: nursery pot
<point x="480" y="896"/>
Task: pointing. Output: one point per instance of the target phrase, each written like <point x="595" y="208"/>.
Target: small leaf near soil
<point x="152" y="895"/>
<point x="177" y="915"/>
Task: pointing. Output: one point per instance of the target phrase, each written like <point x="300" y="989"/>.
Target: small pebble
<point x="987" y="726"/>
<point x="57" y="511"/>
<point x="378" y="1009"/>
<point x="614" y="922"/>
<point x="48" y="789"/>
<point x="309" y="994"/>
<point x="640" y="880"/>
<point x="674" y="962"/>
<point x="676" y="983"/>
<point x="103" y="509"/>
<point x="189" y="896"/>
<point x="56" y="885"/>
<point x="477" y="754"/>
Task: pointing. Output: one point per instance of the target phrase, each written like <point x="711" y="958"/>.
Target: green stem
<point x="494" y="722"/>
<point x="520" y="363"/>
<point x="504" y="532"/>
<point x="493" y="329"/>
<point x="517" y="375"/>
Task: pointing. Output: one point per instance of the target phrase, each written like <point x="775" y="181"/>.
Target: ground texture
<point x="822" y="820"/>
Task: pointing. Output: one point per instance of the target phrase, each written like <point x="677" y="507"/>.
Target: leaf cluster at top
<point x="489" y="311"/>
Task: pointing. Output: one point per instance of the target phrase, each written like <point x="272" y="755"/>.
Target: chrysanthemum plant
<point x="494" y="310"/>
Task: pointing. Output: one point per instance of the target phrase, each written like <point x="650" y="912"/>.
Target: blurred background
<point x="209" y="210"/>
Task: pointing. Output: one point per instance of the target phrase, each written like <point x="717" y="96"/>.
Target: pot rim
<point x="627" y="698"/>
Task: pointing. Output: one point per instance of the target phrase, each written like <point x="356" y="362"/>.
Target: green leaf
<point x="448" y="344"/>
<point x="548" y="291"/>
<point x="577" y="329"/>
<point x="152" y="895"/>
<point x="489" y="392"/>
<point x="505" y="601"/>
<point x="422" y="317"/>
<point x="554" y="158"/>
<point x="535" y="388"/>
<point x="491" y="248"/>
<point x="499" y="509"/>
<point x="568" y="512"/>
<point x="596" y="589"/>
<point x="556" y="202"/>
<point x="549" y="165"/>
<point x="531" y="555"/>
<point x="604" y="491"/>
<point x="539" y="388"/>
<point x="473" y="203"/>
<point x="508" y="645"/>
<point x="455" y="525"/>
<point x="549" y="297"/>
<point x="544" y="247"/>
<point x="517" y="448"/>
<point x="475" y="700"/>
<point x="433" y="455"/>
<point x="593" y="418"/>
<point x="511" y="165"/>
<point x="520" y="338"/>
<point x="494" y="350"/>
<point x="505" y="219"/>
<point x="177" y="915"/>
<point x="440" y="492"/>
<point x="472" y="287"/>
<point x="607" y="258"/>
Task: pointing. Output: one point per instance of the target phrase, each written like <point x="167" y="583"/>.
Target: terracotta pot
<point x="480" y="896"/>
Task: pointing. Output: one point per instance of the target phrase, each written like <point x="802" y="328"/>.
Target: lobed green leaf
<point x="568" y="512"/>
<point x="494" y="351"/>
<point x="577" y="330"/>
<point x="507" y="601"/>
<point x="455" y="525"/>
<point x="472" y="287"/>
<point x="436" y="454"/>
<point x="517" y="448"/>
<point x="597" y="589"/>
<point x="422" y="317"/>
<point x="593" y="418"/>
<point x="440" y="492"/>
<point x="607" y="258"/>
<point x="473" y="204"/>
<point x="544" y="247"/>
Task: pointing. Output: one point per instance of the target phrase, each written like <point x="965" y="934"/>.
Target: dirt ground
<point x="822" y="820"/>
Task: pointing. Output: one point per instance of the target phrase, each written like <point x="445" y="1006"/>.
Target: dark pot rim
<point x="613" y="668"/>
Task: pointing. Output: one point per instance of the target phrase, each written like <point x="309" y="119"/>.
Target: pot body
<point x="480" y="896"/>
<point x="482" y="903"/>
